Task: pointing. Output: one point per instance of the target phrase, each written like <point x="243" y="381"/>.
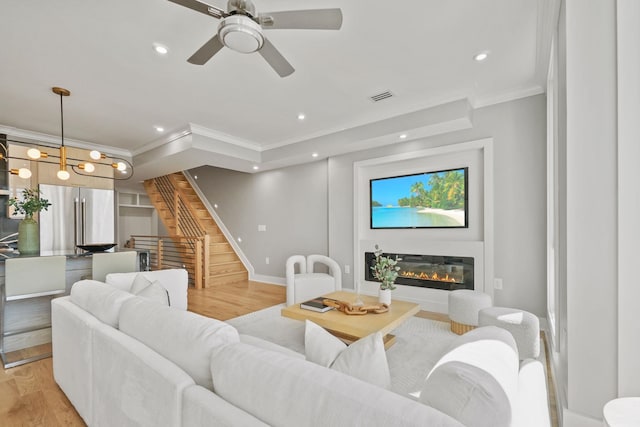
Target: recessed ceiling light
<point x="314" y="154"/>
<point x="160" y="49"/>
<point x="481" y="56"/>
<point x="256" y="167"/>
<point x="403" y="136"/>
<point x="215" y="206"/>
<point x="159" y="128"/>
<point x="301" y="116"/>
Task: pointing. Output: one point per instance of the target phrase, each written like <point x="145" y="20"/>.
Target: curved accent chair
<point x="306" y="284"/>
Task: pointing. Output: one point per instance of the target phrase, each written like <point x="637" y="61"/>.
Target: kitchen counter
<point x="4" y="254"/>
<point x="37" y="310"/>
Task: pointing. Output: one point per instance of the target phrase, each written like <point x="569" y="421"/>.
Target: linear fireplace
<point x="428" y="271"/>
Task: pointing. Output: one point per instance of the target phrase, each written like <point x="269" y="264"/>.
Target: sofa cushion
<point x="201" y="407"/>
<point x="268" y="345"/>
<point x="365" y="359"/>
<point x="476" y="380"/>
<point x="101" y="300"/>
<point x="283" y="391"/>
<point x="185" y="338"/>
<point x="175" y="281"/>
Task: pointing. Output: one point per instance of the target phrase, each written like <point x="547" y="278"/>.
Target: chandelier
<point x="96" y="163"/>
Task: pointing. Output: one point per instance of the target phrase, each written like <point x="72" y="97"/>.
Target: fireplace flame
<point x="426" y="276"/>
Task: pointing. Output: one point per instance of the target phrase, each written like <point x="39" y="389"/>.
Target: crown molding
<point x="38" y="137"/>
<point x="508" y="96"/>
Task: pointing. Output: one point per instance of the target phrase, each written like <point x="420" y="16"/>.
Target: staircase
<point x="183" y="214"/>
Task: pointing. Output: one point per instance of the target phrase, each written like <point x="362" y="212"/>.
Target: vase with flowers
<point x="385" y="270"/>
<point x="28" y="233"/>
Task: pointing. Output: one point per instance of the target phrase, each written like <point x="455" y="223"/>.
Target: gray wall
<point x="306" y="212"/>
<point x="291" y="202"/>
<point x="518" y="129"/>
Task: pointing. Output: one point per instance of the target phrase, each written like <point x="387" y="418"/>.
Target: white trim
<point x="174" y="136"/>
<point x="274" y="280"/>
<point x="243" y="258"/>
<point x="224" y="137"/>
<point x="513" y="95"/>
<point x="36" y="137"/>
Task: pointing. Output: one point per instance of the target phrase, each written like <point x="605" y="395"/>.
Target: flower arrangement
<point x="385" y="269"/>
<point x="30" y="203"/>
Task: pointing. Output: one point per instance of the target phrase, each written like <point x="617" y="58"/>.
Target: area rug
<point x="419" y="344"/>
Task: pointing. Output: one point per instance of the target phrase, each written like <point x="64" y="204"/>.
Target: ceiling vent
<point x="380" y="96"/>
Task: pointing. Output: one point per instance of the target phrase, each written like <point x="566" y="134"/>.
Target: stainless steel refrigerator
<point x="77" y="216"/>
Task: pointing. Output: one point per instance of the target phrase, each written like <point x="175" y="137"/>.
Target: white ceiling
<point x="235" y="111"/>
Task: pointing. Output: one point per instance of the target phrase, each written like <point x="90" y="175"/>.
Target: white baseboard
<point x="273" y="280"/>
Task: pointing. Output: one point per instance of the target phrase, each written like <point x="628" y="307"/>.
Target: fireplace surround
<point x="428" y="271"/>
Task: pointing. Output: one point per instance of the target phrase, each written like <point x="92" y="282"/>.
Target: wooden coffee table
<point x="353" y="327"/>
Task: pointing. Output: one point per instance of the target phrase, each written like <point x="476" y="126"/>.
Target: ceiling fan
<point x="240" y="29"/>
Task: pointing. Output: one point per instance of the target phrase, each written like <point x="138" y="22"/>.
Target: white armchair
<point x="306" y="284"/>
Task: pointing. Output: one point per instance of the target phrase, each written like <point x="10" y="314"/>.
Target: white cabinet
<point x="136" y="215"/>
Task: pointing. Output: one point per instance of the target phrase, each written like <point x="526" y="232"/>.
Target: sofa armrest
<point x="71" y="335"/>
<point x="531" y="406"/>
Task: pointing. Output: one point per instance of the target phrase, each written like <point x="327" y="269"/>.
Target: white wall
<point x="600" y="353"/>
<point x="628" y="17"/>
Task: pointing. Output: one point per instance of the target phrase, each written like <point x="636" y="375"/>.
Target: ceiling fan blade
<point x="312" y="19"/>
<point x="207" y="50"/>
<point x="275" y="59"/>
<point x="216" y="12"/>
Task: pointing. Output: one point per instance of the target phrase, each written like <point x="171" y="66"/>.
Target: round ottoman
<point x="464" y="306"/>
<point x="524" y="326"/>
<point x="622" y="412"/>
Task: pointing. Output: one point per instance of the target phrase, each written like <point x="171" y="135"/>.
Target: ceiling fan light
<point x="240" y="33"/>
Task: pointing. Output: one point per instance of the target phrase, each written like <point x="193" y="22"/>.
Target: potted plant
<point x="28" y="233"/>
<point x="386" y="271"/>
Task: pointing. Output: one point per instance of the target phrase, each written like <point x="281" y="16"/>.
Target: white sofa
<point x="125" y="360"/>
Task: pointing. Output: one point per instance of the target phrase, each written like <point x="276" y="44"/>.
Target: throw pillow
<point x="155" y="292"/>
<point x="365" y="359"/>
<point x="139" y="283"/>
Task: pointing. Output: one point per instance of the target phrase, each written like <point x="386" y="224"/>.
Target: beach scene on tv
<point x="434" y="199"/>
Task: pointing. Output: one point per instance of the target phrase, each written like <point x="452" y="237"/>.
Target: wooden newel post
<point x="198" y="266"/>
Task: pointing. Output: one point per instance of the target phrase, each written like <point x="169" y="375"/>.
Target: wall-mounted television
<point x="437" y="199"/>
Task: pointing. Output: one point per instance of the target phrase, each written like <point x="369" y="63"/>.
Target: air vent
<point x="380" y="96"/>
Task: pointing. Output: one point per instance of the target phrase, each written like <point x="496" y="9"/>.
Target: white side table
<point x="622" y="412"/>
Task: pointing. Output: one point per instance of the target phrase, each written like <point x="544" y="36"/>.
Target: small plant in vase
<point x="28" y="234"/>
<point x="386" y="271"/>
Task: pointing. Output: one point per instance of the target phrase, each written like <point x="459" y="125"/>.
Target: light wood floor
<point x="29" y="395"/>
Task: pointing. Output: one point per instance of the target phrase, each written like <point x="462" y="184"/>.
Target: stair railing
<point x="177" y="251"/>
